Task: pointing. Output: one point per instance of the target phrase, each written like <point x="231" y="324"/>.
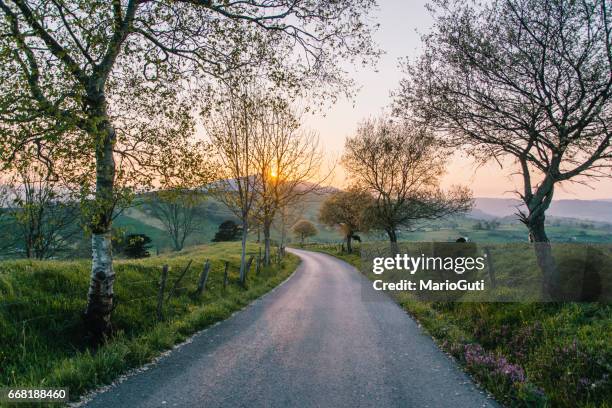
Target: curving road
<point x="322" y="339"/>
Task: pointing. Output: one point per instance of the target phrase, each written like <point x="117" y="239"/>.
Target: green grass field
<point x="138" y="219"/>
<point x="41" y="332"/>
<point x="526" y="354"/>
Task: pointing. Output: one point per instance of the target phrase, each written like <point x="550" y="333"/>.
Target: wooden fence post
<point x="203" y="278"/>
<point x="225" y="276"/>
<point x="160" y="296"/>
<point x="247" y="268"/>
<point x="490" y="268"/>
<point x="176" y="283"/>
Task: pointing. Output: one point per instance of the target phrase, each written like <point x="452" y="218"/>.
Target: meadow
<point x="42" y="340"/>
<point x="525" y="354"/>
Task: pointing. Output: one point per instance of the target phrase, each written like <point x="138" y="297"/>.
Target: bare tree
<point x="287" y="161"/>
<point x="73" y="74"/>
<point x="286" y="217"/>
<point x="231" y="127"/>
<point x="526" y="79"/>
<point x="400" y="164"/>
<point x="345" y="209"/>
<point x="177" y="210"/>
<point x="177" y="201"/>
<point x="45" y="216"/>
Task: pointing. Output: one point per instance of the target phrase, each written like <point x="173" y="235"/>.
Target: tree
<point x="304" y="229"/>
<point x="44" y="215"/>
<point x="286" y="217"/>
<point x="4" y="216"/>
<point x="177" y="210"/>
<point x="524" y="79"/>
<point x="136" y="246"/>
<point x="287" y="161"/>
<point x="400" y="165"/>
<point x="228" y="231"/>
<point x="177" y="201"/>
<point x="345" y="209"/>
<point x="231" y="127"/>
<point x="93" y="80"/>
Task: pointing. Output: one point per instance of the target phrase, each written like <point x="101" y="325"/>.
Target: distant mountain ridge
<point x="593" y="210"/>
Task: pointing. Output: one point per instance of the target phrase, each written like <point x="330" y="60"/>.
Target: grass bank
<point x="41" y="332"/>
<point x="526" y="354"/>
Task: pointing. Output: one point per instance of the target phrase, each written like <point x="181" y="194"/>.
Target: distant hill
<point x="593" y="210"/>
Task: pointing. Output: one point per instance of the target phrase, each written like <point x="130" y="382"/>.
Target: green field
<point x="526" y="354"/>
<point x="138" y="219"/>
<point x="42" y="338"/>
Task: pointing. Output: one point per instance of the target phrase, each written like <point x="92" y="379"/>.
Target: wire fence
<point x="164" y="287"/>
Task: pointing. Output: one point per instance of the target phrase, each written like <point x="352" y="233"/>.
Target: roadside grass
<point x="525" y="354"/>
<point x="42" y="342"/>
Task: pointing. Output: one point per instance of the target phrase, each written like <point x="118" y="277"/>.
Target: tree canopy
<point x="400" y="164"/>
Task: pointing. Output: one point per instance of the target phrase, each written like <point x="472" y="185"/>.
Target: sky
<point x="401" y="24"/>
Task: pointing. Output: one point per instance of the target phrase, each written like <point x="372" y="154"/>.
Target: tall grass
<point x="42" y="337"/>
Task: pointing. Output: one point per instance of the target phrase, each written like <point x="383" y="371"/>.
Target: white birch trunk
<point x="100" y="295"/>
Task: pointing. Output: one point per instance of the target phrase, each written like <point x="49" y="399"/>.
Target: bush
<point x="228" y="231"/>
<point x="137" y="246"/>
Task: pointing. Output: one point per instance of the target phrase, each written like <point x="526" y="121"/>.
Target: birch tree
<point x="287" y="161"/>
<point x="232" y="126"/>
<point x="75" y="74"/>
<point x="528" y="80"/>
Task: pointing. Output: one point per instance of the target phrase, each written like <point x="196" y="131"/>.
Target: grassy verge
<point x="41" y="332"/>
<point x="526" y="354"/>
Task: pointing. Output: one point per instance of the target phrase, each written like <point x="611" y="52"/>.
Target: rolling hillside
<point x="592" y="210"/>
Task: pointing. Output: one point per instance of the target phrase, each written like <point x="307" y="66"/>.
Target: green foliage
<point x="137" y="246"/>
<point x="304" y="229"/>
<point x="41" y="329"/>
<point x="228" y="231"/>
<point x="345" y="209"/>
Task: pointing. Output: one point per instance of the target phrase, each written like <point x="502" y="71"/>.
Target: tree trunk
<point x="544" y="257"/>
<point x="28" y="248"/>
<point x="282" y="237"/>
<point x="537" y="204"/>
<point x="100" y="296"/>
<point x="393" y="241"/>
<point x="245" y="233"/>
<point x="349" y="247"/>
<point x="267" y="244"/>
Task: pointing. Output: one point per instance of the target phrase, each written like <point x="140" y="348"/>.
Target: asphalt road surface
<point x="316" y="341"/>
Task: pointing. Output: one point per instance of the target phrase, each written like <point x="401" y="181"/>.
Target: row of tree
<point x="266" y="160"/>
<point x="526" y="80"/>
<point x="395" y="167"/>
<point x="106" y="94"/>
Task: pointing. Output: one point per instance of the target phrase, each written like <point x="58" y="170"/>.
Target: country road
<point x="313" y="342"/>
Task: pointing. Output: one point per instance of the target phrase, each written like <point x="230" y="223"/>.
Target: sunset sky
<point x="401" y="23"/>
